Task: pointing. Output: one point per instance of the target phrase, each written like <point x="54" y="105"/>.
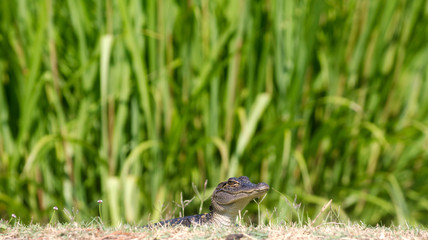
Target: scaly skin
<point x="228" y="199"/>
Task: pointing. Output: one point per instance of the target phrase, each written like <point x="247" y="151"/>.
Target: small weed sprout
<point x="184" y="203"/>
<point x="100" y="217"/>
<point x="295" y="207"/>
<point x="200" y="197"/>
<point x="272" y="216"/>
<point x="163" y="208"/>
<point x="100" y="202"/>
<point x="258" y="208"/>
<point x="322" y="210"/>
<point x="55" y="208"/>
<point x="241" y="217"/>
<point x="12" y="219"/>
<point x="71" y="215"/>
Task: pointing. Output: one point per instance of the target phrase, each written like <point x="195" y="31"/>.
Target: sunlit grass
<point x="326" y="231"/>
<point x="133" y="101"/>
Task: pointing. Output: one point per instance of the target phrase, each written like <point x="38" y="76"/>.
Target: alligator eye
<point x="232" y="182"/>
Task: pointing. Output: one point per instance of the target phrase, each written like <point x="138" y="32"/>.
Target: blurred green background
<point x="133" y="101"/>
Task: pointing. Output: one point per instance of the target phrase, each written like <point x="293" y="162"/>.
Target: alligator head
<point x="232" y="196"/>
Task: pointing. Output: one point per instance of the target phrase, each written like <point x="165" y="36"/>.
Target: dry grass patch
<point x="324" y="231"/>
<point x="339" y="231"/>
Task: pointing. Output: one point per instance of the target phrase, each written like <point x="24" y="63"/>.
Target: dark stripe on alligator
<point x="187" y="221"/>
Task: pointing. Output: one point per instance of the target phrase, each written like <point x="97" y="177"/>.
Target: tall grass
<point x="132" y="101"/>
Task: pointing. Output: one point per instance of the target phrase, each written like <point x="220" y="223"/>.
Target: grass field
<point x="325" y="231"/>
<point x="137" y="103"/>
<point x="328" y="226"/>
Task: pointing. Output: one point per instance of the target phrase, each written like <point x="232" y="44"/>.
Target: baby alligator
<point x="227" y="200"/>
